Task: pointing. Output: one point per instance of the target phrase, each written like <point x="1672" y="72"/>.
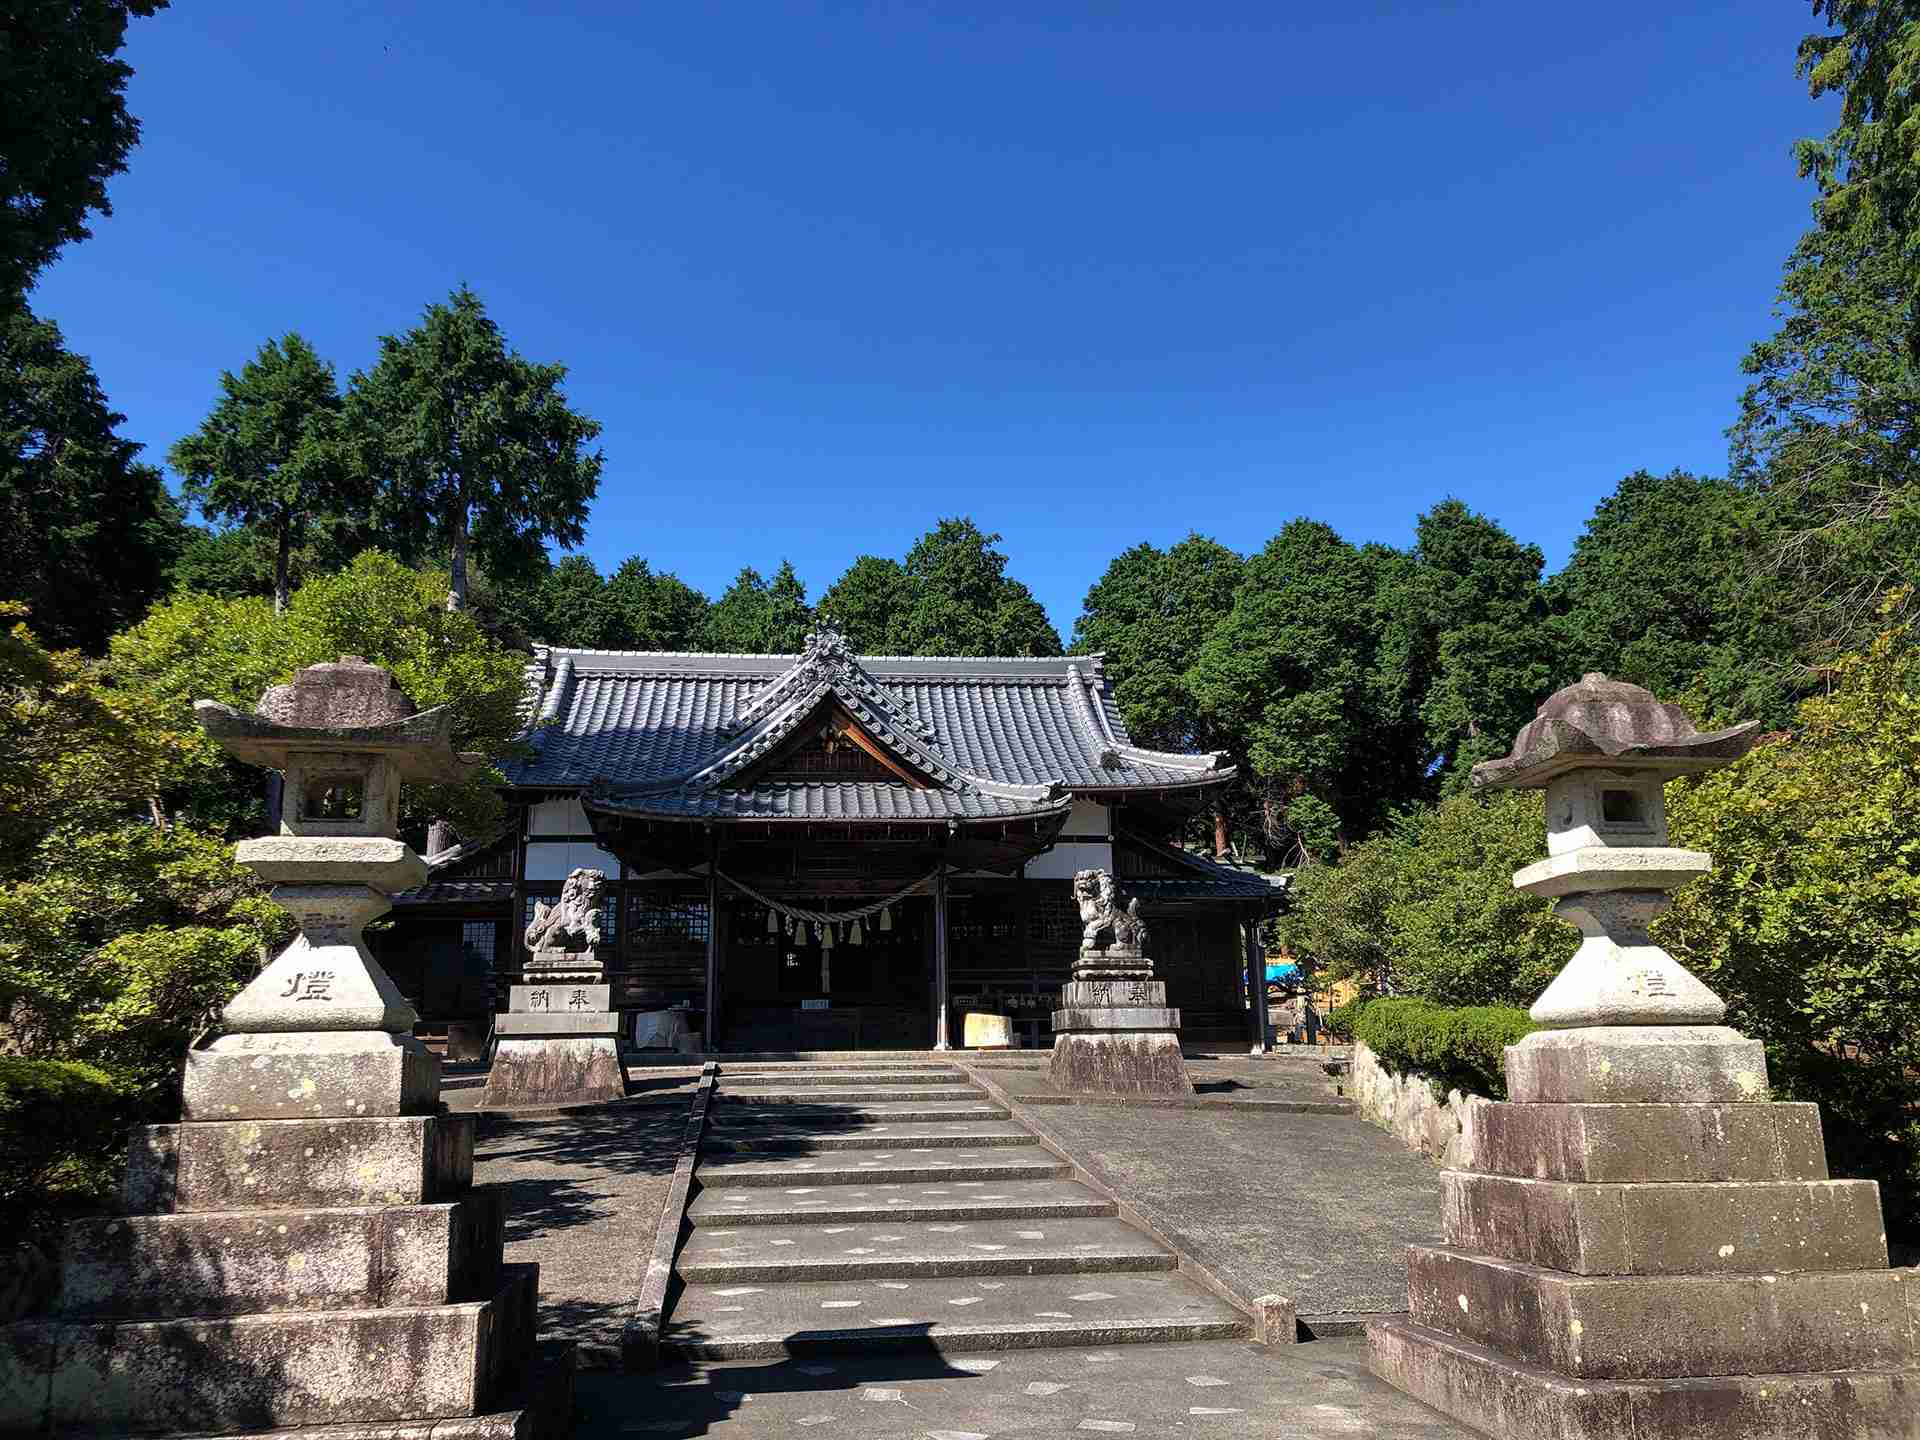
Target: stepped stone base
<point x="309" y="1075"/>
<point x="1107" y="1062"/>
<point x="211" y="1264"/>
<point x="554" y="1070"/>
<point x="270" y="1371"/>
<point x="1511" y="1400"/>
<point x="287" y="1164"/>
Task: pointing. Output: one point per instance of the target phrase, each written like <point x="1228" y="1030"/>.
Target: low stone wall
<point x="1442" y="1130"/>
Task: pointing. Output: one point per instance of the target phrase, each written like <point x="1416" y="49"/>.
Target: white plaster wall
<point x="1062" y="861"/>
<point x="1089" y="817"/>
<point x="558" y="817"/>
<point x="555" y="861"/>
<point x="1442" y="1130"/>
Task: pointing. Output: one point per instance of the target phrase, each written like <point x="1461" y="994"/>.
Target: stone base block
<point x="1649" y="1327"/>
<point x="1649" y="1142"/>
<point x="1119" y="1064"/>
<point x="1671" y="1228"/>
<point x="263" y="1372"/>
<point x="290" y="1164"/>
<point x="557" y="1071"/>
<point x="1510" y="1400"/>
<point x="533" y="1025"/>
<point x="310" y="1075"/>
<point x="154" y="1266"/>
<point x="1672" y="1064"/>
<point x="1118" y="1019"/>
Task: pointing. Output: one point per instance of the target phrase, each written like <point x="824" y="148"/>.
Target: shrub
<point x="60" y="1128"/>
<point x="1461" y="1048"/>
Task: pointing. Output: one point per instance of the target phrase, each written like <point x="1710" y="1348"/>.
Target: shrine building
<point x="833" y="851"/>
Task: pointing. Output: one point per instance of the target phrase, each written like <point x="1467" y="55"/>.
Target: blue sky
<point x="1092" y="274"/>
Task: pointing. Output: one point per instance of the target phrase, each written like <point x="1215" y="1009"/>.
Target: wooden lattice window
<point x="668" y="921"/>
<point x="609" y="914"/>
<point x="1053" y="920"/>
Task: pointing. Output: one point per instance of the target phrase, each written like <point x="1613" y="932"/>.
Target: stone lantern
<point x="306" y="1252"/>
<point x="346" y="738"/>
<point x="1640" y="1243"/>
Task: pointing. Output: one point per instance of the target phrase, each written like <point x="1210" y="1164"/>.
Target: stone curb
<point x="640" y="1340"/>
<point x="1198" y="1102"/>
<point x="1275" y="1317"/>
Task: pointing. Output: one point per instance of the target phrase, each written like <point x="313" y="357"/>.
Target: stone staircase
<point x="854" y="1205"/>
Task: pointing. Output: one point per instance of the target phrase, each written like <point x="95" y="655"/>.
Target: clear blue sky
<point x="1090" y="273"/>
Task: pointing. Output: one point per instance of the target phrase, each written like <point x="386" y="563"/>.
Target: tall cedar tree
<point x="474" y="447"/>
<point x="869" y="605"/>
<point x="91" y="529"/>
<point x="1829" y="429"/>
<point x="1151" y="613"/>
<point x="64" y="126"/>
<point x="962" y="603"/>
<point x="271" y="456"/>
<point x="759" y="617"/>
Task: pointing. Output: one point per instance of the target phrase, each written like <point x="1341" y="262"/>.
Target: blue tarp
<point x="1280" y="972"/>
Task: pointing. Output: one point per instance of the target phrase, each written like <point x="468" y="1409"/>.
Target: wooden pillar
<point x="711" y="1033"/>
<point x="940" y="959"/>
<point x="1256" y="985"/>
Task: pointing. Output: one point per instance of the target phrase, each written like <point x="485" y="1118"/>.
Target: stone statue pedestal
<point x="559" y="1042"/>
<point x="1114" y="1033"/>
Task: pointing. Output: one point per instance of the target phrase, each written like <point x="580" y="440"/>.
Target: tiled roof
<point x="1203" y="878"/>
<point x="999" y="737"/>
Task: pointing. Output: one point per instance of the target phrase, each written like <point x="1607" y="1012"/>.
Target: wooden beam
<point x="1256" y="983"/>
<point x="711" y="1031"/>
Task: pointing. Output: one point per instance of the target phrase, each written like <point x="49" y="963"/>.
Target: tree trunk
<point x="1222" y="844"/>
<point x="457" y="569"/>
<point x="282" y="548"/>
<point x="440" y="837"/>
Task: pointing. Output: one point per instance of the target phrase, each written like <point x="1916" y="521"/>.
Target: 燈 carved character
<point x="574" y="923"/>
<point x="1102" y="915"/>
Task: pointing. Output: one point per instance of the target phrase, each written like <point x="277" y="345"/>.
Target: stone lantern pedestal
<point x="1642" y="1245"/>
<point x="1114" y="1033"/>
<point x="306" y="1247"/>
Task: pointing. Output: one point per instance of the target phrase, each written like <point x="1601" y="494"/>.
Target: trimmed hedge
<point x="1463" y="1048"/>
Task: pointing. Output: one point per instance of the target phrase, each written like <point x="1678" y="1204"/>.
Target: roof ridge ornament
<point x="827" y="660"/>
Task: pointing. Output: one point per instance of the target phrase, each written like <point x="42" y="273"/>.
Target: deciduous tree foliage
<point x="65" y="129"/>
<point x="1809" y="925"/>
<point x="474" y="447"/>
<point x="272" y="455"/>
<point x="90" y="530"/>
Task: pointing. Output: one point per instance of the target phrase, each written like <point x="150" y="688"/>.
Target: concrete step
<point x="917" y="1250"/>
<point x="856" y="1204"/>
<point x="798" y="1175"/>
<point x="801" y="1113"/>
<point x="748" y="1322"/>
<point x="812" y="1076"/>
<point x="853" y="1095"/>
<point x="808" y="1140"/>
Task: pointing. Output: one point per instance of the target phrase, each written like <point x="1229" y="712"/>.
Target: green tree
<point x="1828" y="430"/>
<point x="1809" y="925"/>
<point x="655" y="610"/>
<point x="67" y="130"/>
<point x="1479" y="651"/>
<point x="1150" y="614"/>
<point x="196" y="647"/>
<point x="869" y="605"/>
<point x="91" y="529"/>
<point x="568" y="606"/>
<point x="1427" y="908"/>
<point x="475" y="447"/>
<point x="759" y="617"/>
<point x="271" y="455"/>
<point x="1293" y="673"/>
<point x="962" y="601"/>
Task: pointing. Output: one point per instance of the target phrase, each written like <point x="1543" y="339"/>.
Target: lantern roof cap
<point x="1603" y="724"/>
<point x="343" y="705"/>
